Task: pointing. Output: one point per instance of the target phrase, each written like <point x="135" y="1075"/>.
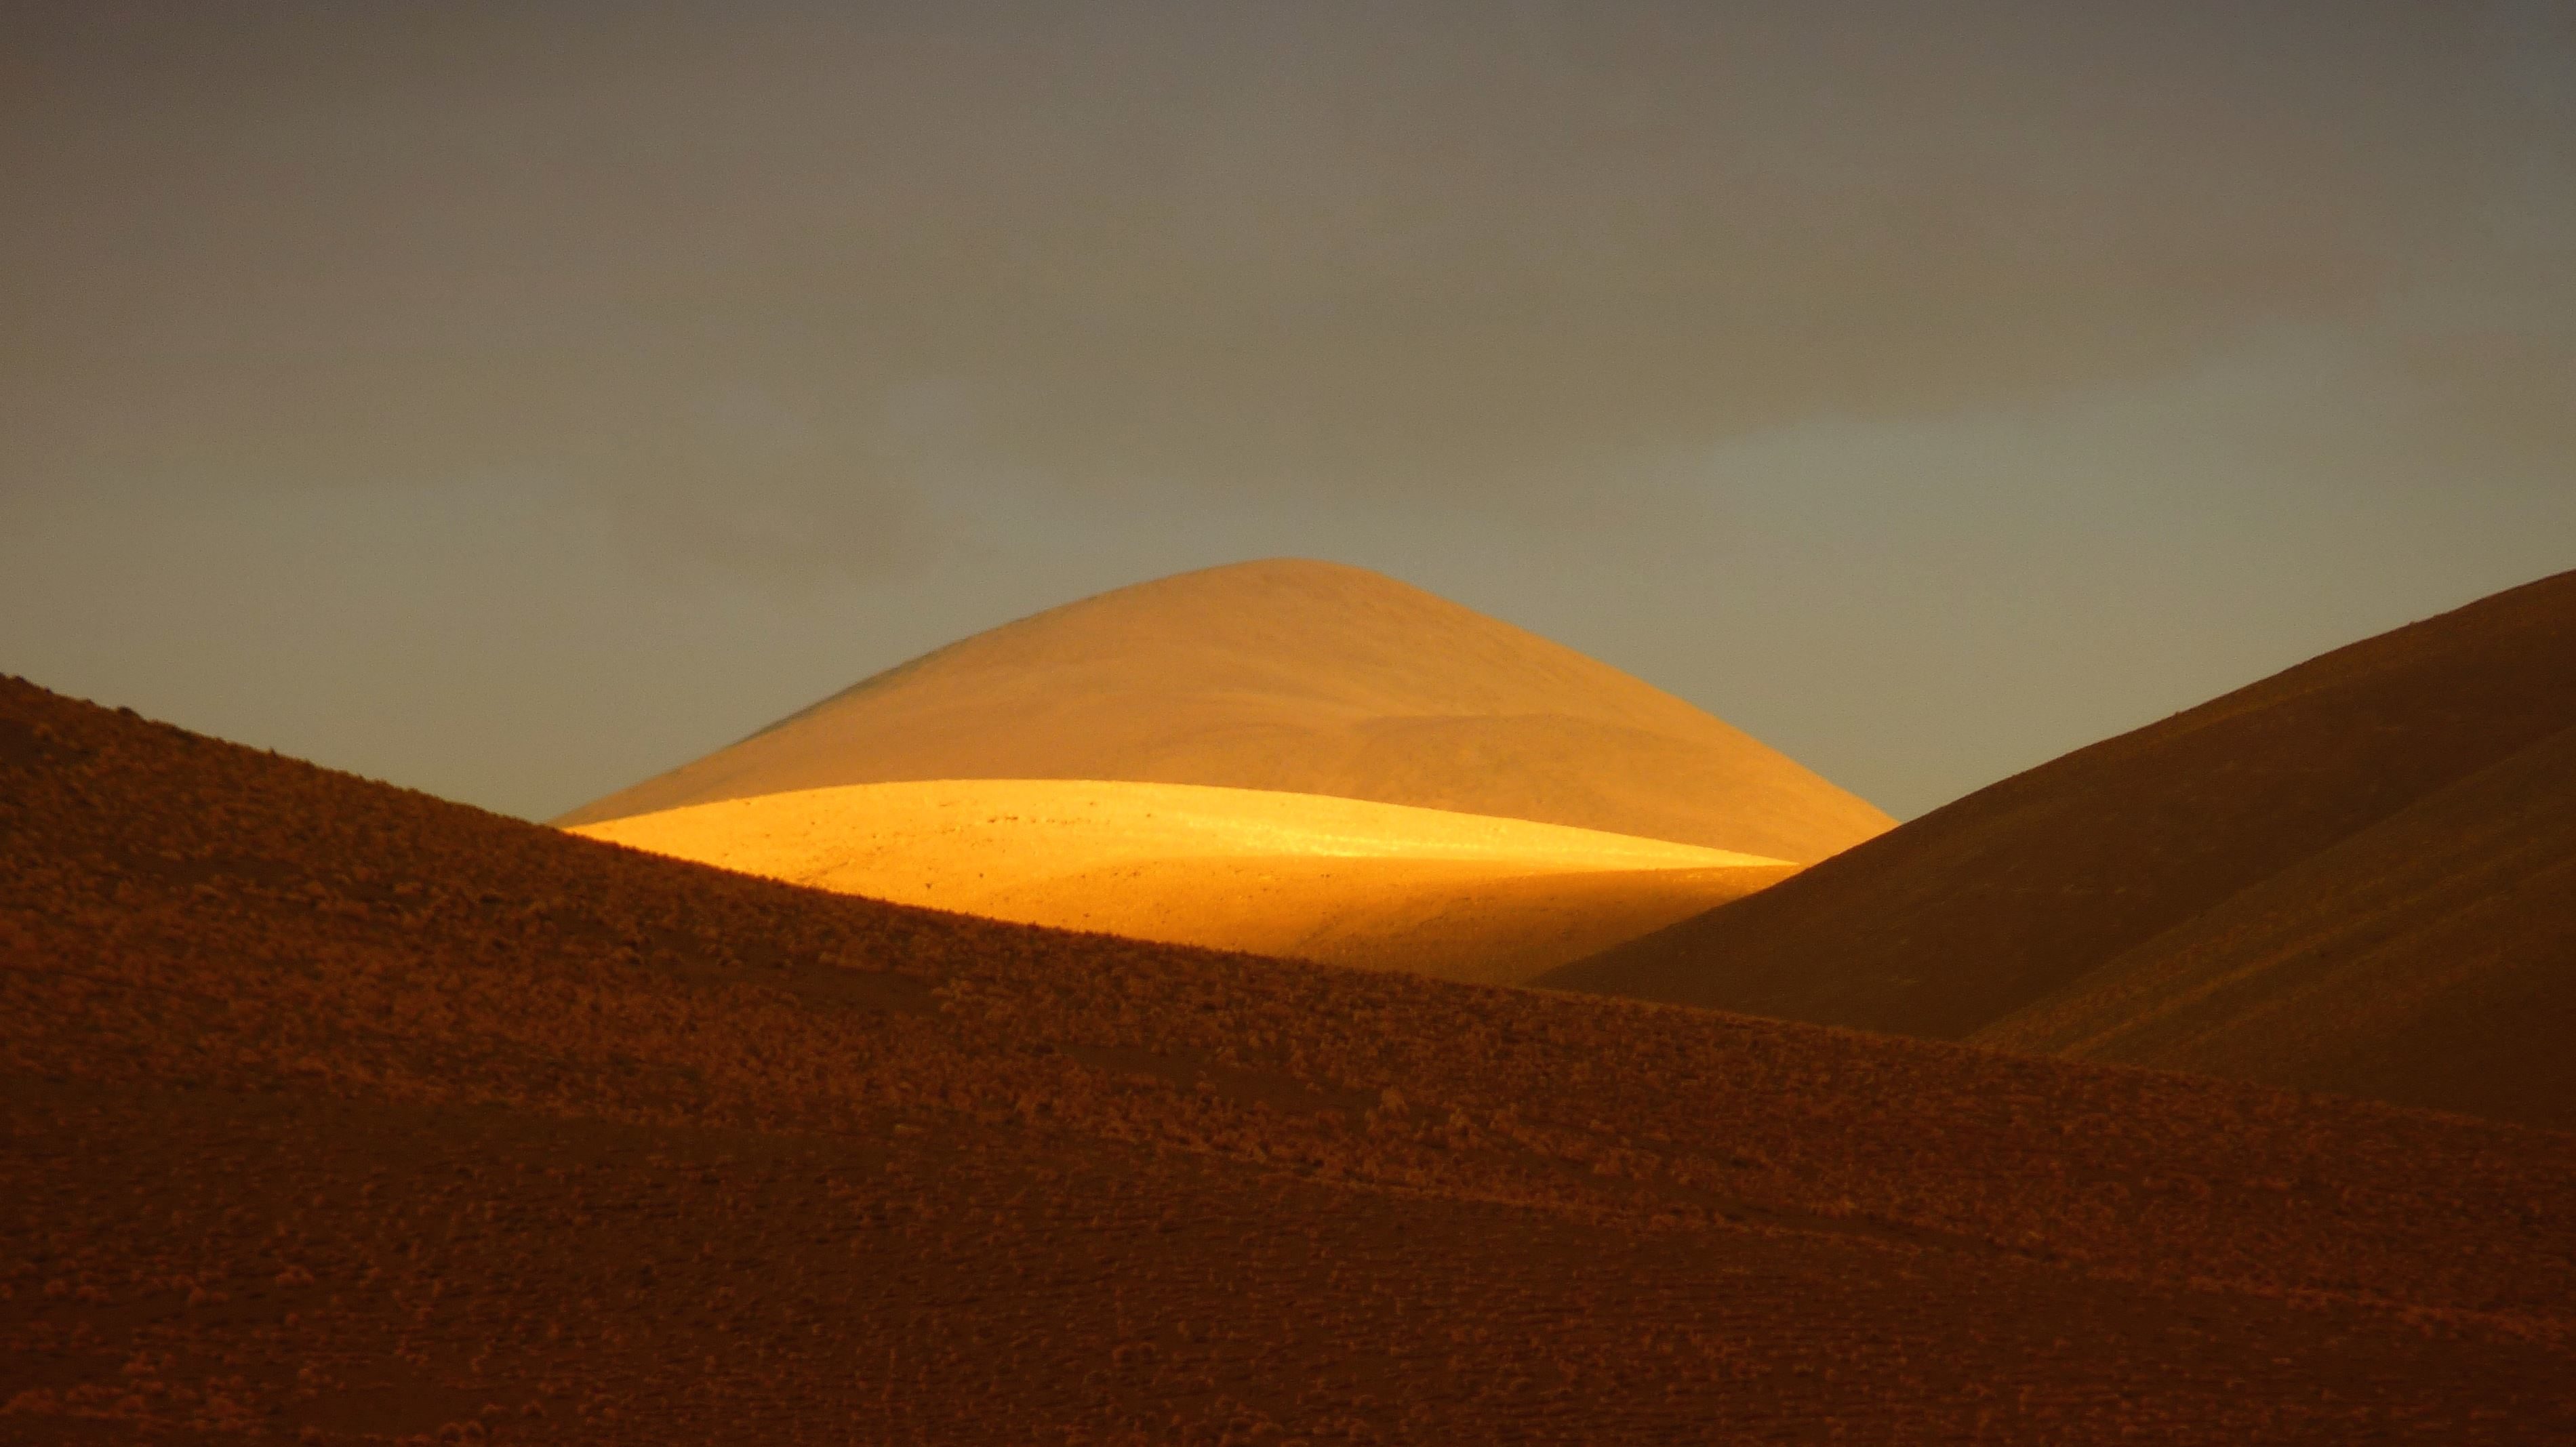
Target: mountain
<point x="337" y="1113"/>
<point x="2349" y="876"/>
<point x="1300" y="677"/>
<point x="1306" y="876"/>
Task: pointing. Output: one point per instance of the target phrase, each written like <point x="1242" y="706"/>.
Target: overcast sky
<point x="516" y="400"/>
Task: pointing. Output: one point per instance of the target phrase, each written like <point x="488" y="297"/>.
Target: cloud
<point x="1138" y="250"/>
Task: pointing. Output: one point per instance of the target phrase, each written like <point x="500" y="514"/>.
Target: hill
<point x="1339" y="881"/>
<point x="1300" y="677"/>
<point x="2349" y="876"/>
<point x="2430" y="958"/>
<point x="334" y="1113"/>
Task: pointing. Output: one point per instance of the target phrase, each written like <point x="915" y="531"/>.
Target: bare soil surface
<point x="2358" y="875"/>
<point x="336" y="1113"/>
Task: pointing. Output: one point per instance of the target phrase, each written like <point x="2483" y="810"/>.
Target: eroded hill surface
<point x="337" y="1113"/>
<point x="1303" y="677"/>
<point x="2351" y="876"/>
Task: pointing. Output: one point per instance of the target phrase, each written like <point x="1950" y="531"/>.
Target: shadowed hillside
<point x="337" y="1113"/>
<point x="2352" y="876"/>
<point x="1304" y="677"/>
<point x="2430" y="958"/>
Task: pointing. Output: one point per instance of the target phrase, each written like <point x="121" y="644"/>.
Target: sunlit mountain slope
<point x="1385" y="886"/>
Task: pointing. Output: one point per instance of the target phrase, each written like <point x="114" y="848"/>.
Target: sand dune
<point x="333" y="1113"/>
<point x="2352" y="876"/>
<point x="1299" y="677"/>
<point x="1342" y="881"/>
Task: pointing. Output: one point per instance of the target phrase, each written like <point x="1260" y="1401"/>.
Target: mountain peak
<point x="1296" y="675"/>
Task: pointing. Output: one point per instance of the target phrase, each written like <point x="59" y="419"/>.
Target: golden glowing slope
<point x="1303" y="677"/>
<point x="1462" y="896"/>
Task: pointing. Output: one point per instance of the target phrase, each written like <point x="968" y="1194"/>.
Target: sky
<point x="514" y="401"/>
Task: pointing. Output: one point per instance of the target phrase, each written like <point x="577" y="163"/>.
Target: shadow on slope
<point x="2429" y="959"/>
<point x="2083" y="879"/>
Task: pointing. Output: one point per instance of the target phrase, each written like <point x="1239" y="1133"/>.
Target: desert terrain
<point x="1306" y="876"/>
<point x="1294" y="758"/>
<point x="2358" y="876"/>
<point x="1304" y="678"/>
<point x="337" y="1113"/>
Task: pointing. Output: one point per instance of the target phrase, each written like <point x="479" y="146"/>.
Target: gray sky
<point x="513" y="401"/>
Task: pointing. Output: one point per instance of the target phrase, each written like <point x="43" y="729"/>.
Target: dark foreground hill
<point x="1298" y="676"/>
<point x="2358" y="875"/>
<point x="335" y="1113"/>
